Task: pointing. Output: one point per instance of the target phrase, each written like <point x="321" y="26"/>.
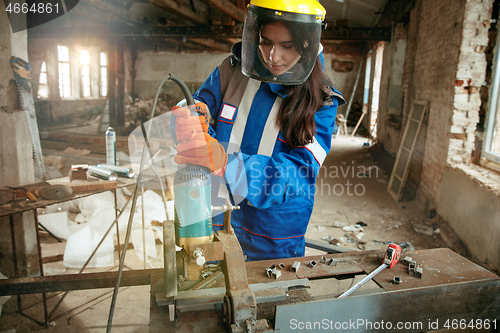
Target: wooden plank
<point x="227" y="8"/>
<point x="93" y="184"/>
<point x="182" y="11"/>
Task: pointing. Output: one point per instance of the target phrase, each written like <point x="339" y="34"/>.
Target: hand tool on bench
<point x="391" y="257"/>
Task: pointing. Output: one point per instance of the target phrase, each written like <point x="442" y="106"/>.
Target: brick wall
<point x="445" y="65"/>
<point x="436" y="58"/>
<point x="470" y="76"/>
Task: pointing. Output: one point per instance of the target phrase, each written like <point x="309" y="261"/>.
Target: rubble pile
<point x="139" y="111"/>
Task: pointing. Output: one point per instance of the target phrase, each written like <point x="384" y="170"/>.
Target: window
<point x="103" y="66"/>
<point x="85" y="72"/>
<point x="64" y="71"/>
<point x="43" y="87"/>
<point x="492" y="144"/>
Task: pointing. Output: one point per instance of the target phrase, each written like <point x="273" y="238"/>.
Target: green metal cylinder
<point x="193" y="207"/>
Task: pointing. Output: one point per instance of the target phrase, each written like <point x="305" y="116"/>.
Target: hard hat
<point x="309" y="7"/>
<point x="281" y="40"/>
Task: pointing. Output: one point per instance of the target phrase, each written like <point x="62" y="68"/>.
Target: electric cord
<point x="190" y="101"/>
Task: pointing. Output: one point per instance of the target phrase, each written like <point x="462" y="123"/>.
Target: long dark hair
<point x="296" y="115"/>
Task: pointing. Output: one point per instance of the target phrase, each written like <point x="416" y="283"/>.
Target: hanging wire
<point x="190" y="101"/>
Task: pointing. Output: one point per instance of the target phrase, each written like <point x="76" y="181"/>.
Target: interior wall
<point x="152" y="67"/>
<point x="342" y="69"/>
<point x="445" y="65"/>
<point x="473" y="211"/>
<point x="391" y="89"/>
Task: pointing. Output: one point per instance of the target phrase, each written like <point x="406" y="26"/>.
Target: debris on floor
<point x="92" y="218"/>
<point x="424" y="229"/>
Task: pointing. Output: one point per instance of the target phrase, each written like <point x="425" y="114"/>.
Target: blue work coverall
<point x="273" y="183"/>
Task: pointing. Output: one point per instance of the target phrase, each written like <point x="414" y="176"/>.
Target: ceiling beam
<point x="88" y="12"/>
<point x="227" y="8"/>
<point x="182" y="11"/>
<point x="201" y="31"/>
<point x="211" y="43"/>
<point x="107" y="8"/>
<point x="361" y="34"/>
<point x="242" y="5"/>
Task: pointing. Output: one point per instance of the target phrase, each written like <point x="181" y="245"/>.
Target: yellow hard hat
<point x="303" y="19"/>
<point x="310" y="7"/>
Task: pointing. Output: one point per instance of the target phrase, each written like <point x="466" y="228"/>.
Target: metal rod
<point x="14" y="257"/>
<point x="122" y="258"/>
<point x="117" y="211"/>
<point x="94" y="299"/>
<point x="93" y="253"/>
<point x="351" y="98"/>
<point x="189" y="98"/>
<point x="36" y="303"/>
<point x="44" y="296"/>
<point x="143" y="227"/>
<point x="50" y="233"/>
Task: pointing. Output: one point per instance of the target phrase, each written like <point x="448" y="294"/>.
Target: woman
<point x="269" y="116"/>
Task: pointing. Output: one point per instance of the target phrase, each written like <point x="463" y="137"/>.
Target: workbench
<point x="13" y="212"/>
<point x="80" y="189"/>
<point x="451" y="292"/>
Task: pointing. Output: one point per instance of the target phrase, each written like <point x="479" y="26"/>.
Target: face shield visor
<point x="279" y="47"/>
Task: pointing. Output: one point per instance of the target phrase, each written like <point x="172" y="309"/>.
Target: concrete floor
<point x="343" y="196"/>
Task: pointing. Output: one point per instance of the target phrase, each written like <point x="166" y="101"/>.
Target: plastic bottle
<point x="110" y="146"/>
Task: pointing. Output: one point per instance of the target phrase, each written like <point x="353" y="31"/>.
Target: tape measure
<point x="391" y="257"/>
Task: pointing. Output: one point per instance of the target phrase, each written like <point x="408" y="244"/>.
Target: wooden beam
<point x="106" y="31"/>
<point x="105" y="7"/>
<point x="227" y="8"/>
<point x="197" y="31"/>
<point x="211" y="43"/>
<point x="182" y="11"/>
<point x="366" y="34"/>
<point x="88" y="12"/>
<point x="55" y="283"/>
<point x="242" y="4"/>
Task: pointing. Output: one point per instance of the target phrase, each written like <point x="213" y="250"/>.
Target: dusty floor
<point x="351" y="189"/>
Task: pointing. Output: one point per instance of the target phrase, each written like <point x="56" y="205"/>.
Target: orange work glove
<point x="187" y="125"/>
<point x="195" y="145"/>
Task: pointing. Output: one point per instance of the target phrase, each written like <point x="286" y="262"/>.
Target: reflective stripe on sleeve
<point x="318" y="152"/>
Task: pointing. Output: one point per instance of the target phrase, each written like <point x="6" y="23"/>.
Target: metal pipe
<point x="143" y="227"/>
<point x="117" y="226"/>
<point x="134" y="202"/>
<point x="44" y="296"/>
<point x="190" y="101"/>
<point x="351" y="98"/>
<point x="14" y="257"/>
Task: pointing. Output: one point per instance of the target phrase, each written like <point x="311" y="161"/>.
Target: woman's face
<point x="276" y="48"/>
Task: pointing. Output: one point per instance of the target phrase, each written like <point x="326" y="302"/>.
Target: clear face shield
<point x="279" y="47"/>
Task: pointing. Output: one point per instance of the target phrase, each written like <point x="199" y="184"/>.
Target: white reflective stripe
<point x="223" y="192"/>
<point x="241" y="117"/>
<point x="271" y="131"/>
<point x="318" y="151"/>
